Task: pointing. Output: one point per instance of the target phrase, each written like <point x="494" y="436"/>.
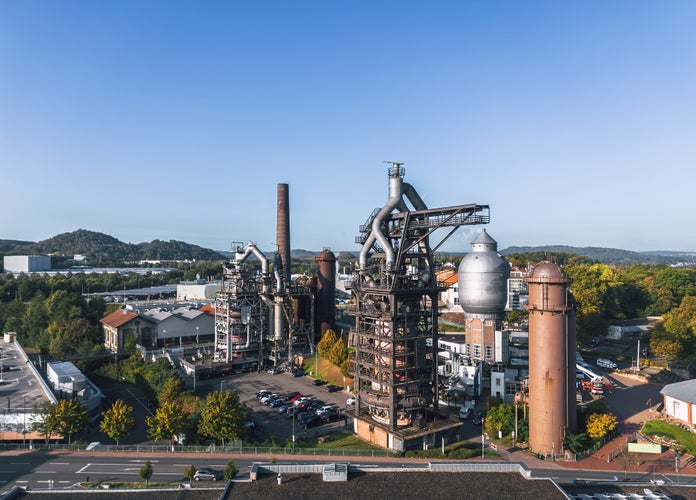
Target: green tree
<point x="117" y="421"/>
<point x="600" y="424"/>
<point x="45" y="422"/>
<point x="230" y="471"/>
<point x="500" y="418"/>
<point x="71" y="418"/>
<point x="223" y="417"/>
<point x="189" y="472"/>
<point x="576" y="442"/>
<point x="168" y="421"/>
<point x="146" y="472"/>
<point x="665" y="347"/>
<point x="326" y="343"/>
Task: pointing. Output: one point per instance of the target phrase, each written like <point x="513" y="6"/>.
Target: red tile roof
<point x="208" y="308"/>
<point x="118" y="318"/>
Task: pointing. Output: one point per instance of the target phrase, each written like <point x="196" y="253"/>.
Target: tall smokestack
<point x="283" y="229"/>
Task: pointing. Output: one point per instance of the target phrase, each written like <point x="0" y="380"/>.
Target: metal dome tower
<point x="483" y="275"/>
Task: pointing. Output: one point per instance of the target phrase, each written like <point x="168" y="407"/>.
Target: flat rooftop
<point x="20" y="391"/>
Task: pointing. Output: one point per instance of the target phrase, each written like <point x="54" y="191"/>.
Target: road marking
<point x="151" y="461"/>
<point x="60" y="463"/>
<point x="83" y="468"/>
<point x="45" y="471"/>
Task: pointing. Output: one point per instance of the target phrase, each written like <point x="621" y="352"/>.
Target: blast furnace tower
<point x="552" y="405"/>
<point x="396" y="316"/>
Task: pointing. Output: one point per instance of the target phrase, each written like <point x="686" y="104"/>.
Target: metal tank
<point x="552" y="405"/>
<point x="483" y="275"/>
<point x="326" y="293"/>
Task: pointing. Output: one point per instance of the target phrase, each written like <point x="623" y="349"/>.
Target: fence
<point x="243" y="450"/>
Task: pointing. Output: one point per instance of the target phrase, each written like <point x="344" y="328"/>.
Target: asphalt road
<point x="57" y="470"/>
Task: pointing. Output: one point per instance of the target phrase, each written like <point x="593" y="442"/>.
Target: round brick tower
<point x="552" y="406"/>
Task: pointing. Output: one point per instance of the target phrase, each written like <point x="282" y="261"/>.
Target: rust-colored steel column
<point x="552" y="406"/>
<point x="325" y="309"/>
<point x="283" y="229"/>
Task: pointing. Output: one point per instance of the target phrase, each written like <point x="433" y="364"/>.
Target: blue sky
<point x="574" y="121"/>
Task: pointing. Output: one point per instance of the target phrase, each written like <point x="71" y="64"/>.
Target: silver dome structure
<point x="483" y="275"/>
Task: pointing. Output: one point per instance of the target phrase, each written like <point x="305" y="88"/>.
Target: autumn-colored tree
<point x="146" y="472"/>
<point x="70" y="418"/>
<point x="168" y="421"/>
<point x="223" y="416"/>
<point x="338" y="353"/>
<point x="117" y="421"/>
<point x="189" y="472"/>
<point x="326" y="343"/>
<point x="600" y="424"/>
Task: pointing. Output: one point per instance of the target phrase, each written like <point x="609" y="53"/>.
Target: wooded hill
<point x="104" y="250"/>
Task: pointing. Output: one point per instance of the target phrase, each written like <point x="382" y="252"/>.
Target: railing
<point x="244" y="450"/>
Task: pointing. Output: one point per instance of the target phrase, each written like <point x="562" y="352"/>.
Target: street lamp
<point x="294" y="416"/>
<point x="196" y="335"/>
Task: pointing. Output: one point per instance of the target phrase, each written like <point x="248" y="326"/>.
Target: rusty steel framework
<point x="396" y="306"/>
<point x="255" y="313"/>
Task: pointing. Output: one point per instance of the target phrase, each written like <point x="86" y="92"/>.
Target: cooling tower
<point x="326" y="292"/>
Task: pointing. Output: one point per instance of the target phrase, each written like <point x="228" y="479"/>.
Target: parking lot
<point x="270" y="420"/>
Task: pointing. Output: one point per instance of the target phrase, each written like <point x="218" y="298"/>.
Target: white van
<point x="464" y="412"/>
<point x="605" y="363"/>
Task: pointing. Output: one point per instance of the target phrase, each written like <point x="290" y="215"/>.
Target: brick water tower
<point x="552" y="404"/>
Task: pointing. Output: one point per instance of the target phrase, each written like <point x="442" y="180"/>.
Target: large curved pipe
<point x="395" y="201"/>
<point x="248" y="250"/>
<point x="397" y="190"/>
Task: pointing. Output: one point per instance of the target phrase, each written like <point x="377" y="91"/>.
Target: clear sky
<point x="175" y="120"/>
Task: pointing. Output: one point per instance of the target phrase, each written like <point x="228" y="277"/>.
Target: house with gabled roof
<point x="680" y="401"/>
<point x="123" y="324"/>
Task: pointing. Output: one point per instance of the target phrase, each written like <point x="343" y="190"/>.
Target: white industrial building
<point x="69" y="382"/>
<point x="197" y="290"/>
<point x="26" y="263"/>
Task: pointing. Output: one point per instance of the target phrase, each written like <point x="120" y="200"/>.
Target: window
<point x="489" y="352"/>
<point x="477" y="351"/>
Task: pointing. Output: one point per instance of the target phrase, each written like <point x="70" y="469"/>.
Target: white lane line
<point x="83" y="468"/>
<point x="44" y="471"/>
<point x="60" y="463"/>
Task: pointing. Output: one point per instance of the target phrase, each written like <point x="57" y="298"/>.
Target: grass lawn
<point x="682" y="436"/>
<point x="329" y="373"/>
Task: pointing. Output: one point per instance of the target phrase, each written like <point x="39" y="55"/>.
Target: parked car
<point x="312" y="421"/>
<point x="296" y="396"/>
<point x="317" y="381"/>
<point x="350" y="401"/>
<point x="94" y="445"/>
<point x="277" y="403"/>
<point x="263" y="393"/>
<point x="332" y="388"/>
<point x="298" y="373"/>
<point x="331" y="417"/>
<point x="477" y="418"/>
<point x="464" y="412"/>
<point x="207" y="473"/>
